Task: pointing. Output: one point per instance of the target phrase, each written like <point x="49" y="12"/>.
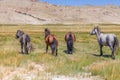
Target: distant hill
<point x="35" y="12"/>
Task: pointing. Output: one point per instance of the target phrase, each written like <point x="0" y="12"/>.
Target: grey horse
<point x="106" y="40"/>
<point x="25" y="42"/>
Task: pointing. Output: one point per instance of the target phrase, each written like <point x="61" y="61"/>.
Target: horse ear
<point x="98" y="28"/>
<point x="45" y="29"/>
<point x="18" y="30"/>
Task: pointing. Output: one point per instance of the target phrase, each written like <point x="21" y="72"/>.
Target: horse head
<point x="95" y="30"/>
<point x="19" y="33"/>
<point x="47" y="32"/>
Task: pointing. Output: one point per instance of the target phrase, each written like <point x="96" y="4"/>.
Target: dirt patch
<point x="36" y="71"/>
<point x="30" y="72"/>
<point x="81" y="76"/>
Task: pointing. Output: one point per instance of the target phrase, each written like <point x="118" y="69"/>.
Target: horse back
<point x="107" y="39"/>
<point x="50" y="38"/>
<point x="28" y="38"/>
<point x="67" y="36"/>
<point x="25" y="38"/>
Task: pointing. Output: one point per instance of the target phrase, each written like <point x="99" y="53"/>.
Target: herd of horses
<point x="51" y="41"/>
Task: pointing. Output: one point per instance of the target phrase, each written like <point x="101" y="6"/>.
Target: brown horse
<point x="52" y="41"/>
<point x="70" y="39"/>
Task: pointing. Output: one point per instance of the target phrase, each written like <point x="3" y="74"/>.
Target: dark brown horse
<point x="52" y="41"/>
<point x="70" y="39"/>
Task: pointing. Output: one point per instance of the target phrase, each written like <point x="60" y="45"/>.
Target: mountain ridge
<point x="35" y="12"/>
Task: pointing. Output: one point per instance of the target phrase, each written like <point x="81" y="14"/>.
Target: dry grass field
<point x="83" y="64"/>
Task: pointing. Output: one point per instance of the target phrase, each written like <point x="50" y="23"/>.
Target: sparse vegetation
<point x="84" y="58"/>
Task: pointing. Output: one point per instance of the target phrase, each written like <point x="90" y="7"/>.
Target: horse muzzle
<point x="91" y="33"/>
<point x="17" y="37"/>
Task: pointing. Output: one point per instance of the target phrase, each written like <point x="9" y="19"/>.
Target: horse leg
<point x="101" y="52"/>
<point x="56" y="51"/>
<point x="71" y="49"/>
<point x="25" y="48"/>
<point x="21" y="47"/>
<point x="68" y="48"/>
<point x="46" y="48"/>
<point x="112" y="48"/>
<point x="113" y="56"/>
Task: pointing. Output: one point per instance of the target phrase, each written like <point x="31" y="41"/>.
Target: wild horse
<point x="25" y="41"/>
<point x="70" y="39"/>
<point x="52" y="41"/>
<point x="106" y="40"/>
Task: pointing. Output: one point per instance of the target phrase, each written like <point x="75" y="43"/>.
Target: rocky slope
<point x="34" y="12"/>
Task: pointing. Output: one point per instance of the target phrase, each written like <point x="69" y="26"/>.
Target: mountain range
<point x="38" y="12"/>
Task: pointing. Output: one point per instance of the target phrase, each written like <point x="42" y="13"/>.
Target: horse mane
<point x="20" y="33"/>
<point x="99" y="30"/>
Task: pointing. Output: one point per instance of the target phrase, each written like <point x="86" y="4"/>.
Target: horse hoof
<point x="22" y="53"/>
<point x="113" y="58"/>
<point x="69" y="52"/>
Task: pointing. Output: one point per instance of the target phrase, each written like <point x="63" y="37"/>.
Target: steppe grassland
<point x="82" y="60"/>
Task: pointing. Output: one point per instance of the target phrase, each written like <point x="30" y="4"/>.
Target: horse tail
<point x="70" y="39"/>
<point x="116" y="44"/>
<point x="30" y="47"/>
<point x="54" y="45"/>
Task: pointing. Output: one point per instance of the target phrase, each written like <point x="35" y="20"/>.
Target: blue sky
<point x="83" y="2"/>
